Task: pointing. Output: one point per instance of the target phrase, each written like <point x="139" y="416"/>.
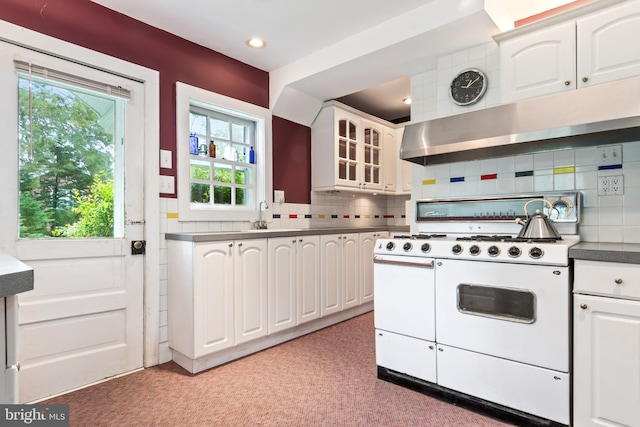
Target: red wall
<point x="90" y="25"/>
<point x="292" y="155"/>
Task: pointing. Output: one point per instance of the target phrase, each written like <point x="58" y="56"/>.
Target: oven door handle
<point x="417" y="262"/>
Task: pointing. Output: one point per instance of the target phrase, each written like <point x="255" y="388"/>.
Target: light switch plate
<point x="167" y="184"/>
<point x="166" y="159"/>
<point x="609" y="155"/>
<point x="278" y="196"/>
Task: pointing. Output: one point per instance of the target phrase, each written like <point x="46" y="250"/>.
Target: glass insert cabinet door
<point x="347" y="150"/>
<point x="372" y="144"/>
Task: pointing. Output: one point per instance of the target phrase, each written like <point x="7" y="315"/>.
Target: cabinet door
<point x="367" y="242"/>
<point x="308" y="278"/>
<point x="539" y="63"/>
<point x="213" y="298"/>
<point x="607" y="47"/>
<point x="391" y="161"/>
<point x="250" y="274"/>
<point x="348" y="137"/>
<point x="282" y="283"/>
<point x="372" y="149"/>
<point x="331" y="273"/>
<point x="350" y="270"/>
<point x="606" y="379"/>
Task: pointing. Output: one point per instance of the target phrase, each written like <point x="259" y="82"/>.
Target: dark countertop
<point x="15" y="277"/>
<point x="628" y="253"/>
<point x="270" y="233"/>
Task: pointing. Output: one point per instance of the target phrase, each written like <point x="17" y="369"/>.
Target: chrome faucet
<point x="261" y="224"/>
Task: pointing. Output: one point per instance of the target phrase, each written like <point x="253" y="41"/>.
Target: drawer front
<point x="612" y="279"/>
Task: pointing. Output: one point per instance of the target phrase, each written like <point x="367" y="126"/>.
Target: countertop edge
<point x="15" y="276"/>
<point x="627" y="253"/>
<point x="272" y="233"/>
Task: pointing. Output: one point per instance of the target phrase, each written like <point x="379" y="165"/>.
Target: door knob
<point x="138" y="247"/>
<point x="584" y="306"/>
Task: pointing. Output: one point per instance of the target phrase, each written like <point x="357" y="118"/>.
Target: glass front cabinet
<point x="347" y="151"/>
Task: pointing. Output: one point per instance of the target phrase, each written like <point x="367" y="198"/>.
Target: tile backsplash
<point x="605" y="218"/>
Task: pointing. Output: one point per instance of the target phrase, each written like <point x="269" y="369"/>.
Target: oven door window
<point x="514" y="305"/>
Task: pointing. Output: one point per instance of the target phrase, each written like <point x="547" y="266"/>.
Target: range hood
<point x="602" y="114"/>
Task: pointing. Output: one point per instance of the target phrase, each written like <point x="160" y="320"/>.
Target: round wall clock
<point x="468" y="87"/>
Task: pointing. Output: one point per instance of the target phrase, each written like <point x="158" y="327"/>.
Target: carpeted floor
<point x="327" y="378"/>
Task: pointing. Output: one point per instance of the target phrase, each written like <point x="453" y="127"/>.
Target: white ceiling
<point x="331" y="48"/>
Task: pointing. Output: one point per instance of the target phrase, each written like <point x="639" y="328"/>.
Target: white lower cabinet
<point x="227" y="299"/>
<point x="217" y="295"/>
<point x="294" y="281"/>
<point x="606" y="381"/>
<point x="339" y="272"/>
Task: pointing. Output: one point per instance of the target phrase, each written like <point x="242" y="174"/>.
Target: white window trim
<point x="187" y="95"/>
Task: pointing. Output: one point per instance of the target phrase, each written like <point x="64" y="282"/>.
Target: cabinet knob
<point x="584" y="306"/>
<point x="618" y="281"/>
<point x="293" y="241"/>
<point x="567" y="82"/>
<point x="230" y="245"/>
<point x="585" y="79"/>
<point x="239" y="244"/>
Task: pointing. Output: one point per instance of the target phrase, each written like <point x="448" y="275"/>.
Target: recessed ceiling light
<point x="407" y="101"/>
<point x="256" y="43"/>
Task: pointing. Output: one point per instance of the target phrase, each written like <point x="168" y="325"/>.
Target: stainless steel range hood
<point x="601" y="114"/>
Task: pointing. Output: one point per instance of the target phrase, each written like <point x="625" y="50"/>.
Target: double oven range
<point x="465" y="310"/>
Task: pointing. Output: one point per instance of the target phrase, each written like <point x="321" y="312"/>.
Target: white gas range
<point x="483" y="318"/>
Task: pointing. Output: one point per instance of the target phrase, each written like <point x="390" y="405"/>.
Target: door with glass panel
<point x="72" y="208"/>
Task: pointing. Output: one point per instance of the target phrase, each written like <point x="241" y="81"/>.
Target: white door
<point x="331" y="276"/>
<point x="350" y="259"/>
<point x="83" y="322"/>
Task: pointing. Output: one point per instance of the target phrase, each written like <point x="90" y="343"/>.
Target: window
<point x="223" y="156"/>
<point x="222" y="159"/>
<point x="67" y="128"/>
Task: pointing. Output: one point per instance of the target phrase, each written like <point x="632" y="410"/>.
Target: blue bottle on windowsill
<point x="252" y="156"/>
<point x="193" y="144"/>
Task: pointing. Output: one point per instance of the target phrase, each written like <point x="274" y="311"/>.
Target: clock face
<point x="468" y="87"/>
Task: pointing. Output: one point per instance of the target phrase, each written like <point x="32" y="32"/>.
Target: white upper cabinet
<point x="539" y="63"/>
<point x="607" y="45"/>
<point x="353" y="151"/>
<point x="579" y="53"/>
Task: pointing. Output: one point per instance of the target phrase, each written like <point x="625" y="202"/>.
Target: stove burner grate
<point x="496" y="238"/>
<point x="420" y="236"/>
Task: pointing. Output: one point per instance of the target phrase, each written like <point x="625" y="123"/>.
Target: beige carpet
<point x="327" y="378"/>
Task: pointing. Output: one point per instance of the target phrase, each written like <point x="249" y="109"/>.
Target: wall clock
<point x="468" y="87"/>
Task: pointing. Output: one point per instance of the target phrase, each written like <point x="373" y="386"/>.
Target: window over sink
<point x="224" y="156"/>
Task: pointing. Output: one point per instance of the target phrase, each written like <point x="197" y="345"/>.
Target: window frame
<point x="188" y="96"/>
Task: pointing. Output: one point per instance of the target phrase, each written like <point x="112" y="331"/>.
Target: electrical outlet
<point x="604" y="185"/>
<point x="610" y="185"/>
<point x="617" y="184"/>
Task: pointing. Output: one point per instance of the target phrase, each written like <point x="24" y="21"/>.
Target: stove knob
<point x="407" y="247"/>
<point x="425" y="247"/>
<point x="536" y="252"/>
<point x="514" y="252"/>
<point x="493" y="250"/>
<point x="390" y="246"/>
<point x="474" y="250"/>
<point x="456" y="249"/>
